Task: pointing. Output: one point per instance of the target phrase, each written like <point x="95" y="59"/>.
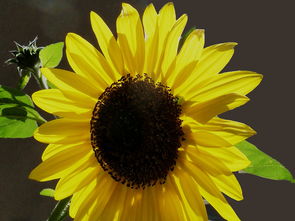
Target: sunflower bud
<point x="27" y="60"/>
<point x="26" y="56"/>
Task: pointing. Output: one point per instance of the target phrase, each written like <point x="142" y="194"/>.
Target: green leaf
<point x="262" y="164"/>
<point x="61" y="210"/>
<point x="51" y="55"/>
<point x="47" y="192"/>
<point x="18" y="117"/>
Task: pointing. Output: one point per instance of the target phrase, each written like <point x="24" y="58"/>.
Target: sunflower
<point x="138" y="135"/>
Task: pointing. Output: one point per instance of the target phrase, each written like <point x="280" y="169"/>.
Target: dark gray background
<point x="265" y="33"/>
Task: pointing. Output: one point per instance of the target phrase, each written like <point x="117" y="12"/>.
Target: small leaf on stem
<point x="47" y="192"/>
<point x="51" y="55"/>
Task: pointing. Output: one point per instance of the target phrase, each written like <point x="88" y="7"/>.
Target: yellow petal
<point x="150" y="23"/>
<point x="240" y="82"/>
<point x="149" y="20"/>
<point x="63" y="131"/>
<point x="169" y="206"/>
<point x="234" y="159"/>
<point x="86" y="206"/>
<point x="129" y="207"/>
<point x="107" y="44"/>
<point x="136" y="206"/>
<point x="155" y="202"/>
<point x="204" y="111"/>
<point x="211" y="193"/>
<point x="53" y="149"/>
<point x="88" y="62"/>
<point x="229" y="185"/>
<point x="63" y="163"/>
<point x="166" y="20"/>
<point x="147" y="206"/>
<point x="172" y="43"/>
<point x="131" y="39"/>
<point x="231" y="131"/>
<point x="72" y="85"/>
<point x="76" y="181"/>
<point x="106" y="187"/>
<point x="81" y="196"/>
<point x="190" y="214"/>
<point x="152" y="55"/>
<point x="114" y="207"/>
<point x="214" y="58"/>
<point x="192" y="47"/>
<point x="207" y="139"/>
<point x="205" y="162"/>
<point x="189" y="190"/>
<point x="187" y="58"/>
<point x="53" y="101"/>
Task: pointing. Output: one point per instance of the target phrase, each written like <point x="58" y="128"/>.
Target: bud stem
<point x="41" y="80"/>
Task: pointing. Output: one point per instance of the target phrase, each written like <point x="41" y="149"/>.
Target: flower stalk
<point x="41" y="80"/>
<point x="61" y="210"/>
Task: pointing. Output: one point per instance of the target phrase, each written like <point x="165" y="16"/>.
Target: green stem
<point x="60" y="211"/>
<point x="41" y="80"/>
<point x="40" y="120"/>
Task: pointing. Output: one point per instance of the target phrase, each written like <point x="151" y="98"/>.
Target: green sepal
<point x="263" y="165"/>
<point x="51" y="55"/>
<point x="61" y="210"/>
<point x="23" y="81"/>
<point x="213" y="215"/>
<point x="18" y="117"/>
<point x="50" y="85"/>
<point x="185" y="35"/>
<point x="47" y="192"/>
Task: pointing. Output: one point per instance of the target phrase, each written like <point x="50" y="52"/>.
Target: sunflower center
<point x="136" y="131"/>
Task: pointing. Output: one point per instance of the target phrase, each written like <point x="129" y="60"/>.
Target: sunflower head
<point x="139" y="135"/>
<point x="127" y="131"/>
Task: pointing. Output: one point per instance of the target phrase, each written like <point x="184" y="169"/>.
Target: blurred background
<point x="265" y="33"/>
